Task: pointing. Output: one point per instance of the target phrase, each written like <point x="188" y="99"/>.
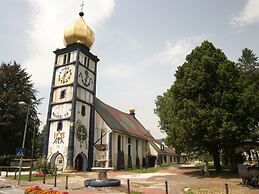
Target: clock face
<point x="86" y="78"/>
<point x="64" y="75"/>
<point x="61" y="111"/>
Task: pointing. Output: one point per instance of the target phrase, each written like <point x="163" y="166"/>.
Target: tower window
<point x="60" y="126"/>
<point x="68" y="58"/>
<point x="85" y="61"/>
<point x="64" y="59"/>
<point x="83" y="110"/>
<point x="62" y="93"/>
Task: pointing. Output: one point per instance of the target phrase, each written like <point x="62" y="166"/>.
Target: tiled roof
<point x="167" y="150"/>
<point x="120" y="121"/>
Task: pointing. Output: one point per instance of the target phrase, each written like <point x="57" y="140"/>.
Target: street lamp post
<point x="23" y="141"/>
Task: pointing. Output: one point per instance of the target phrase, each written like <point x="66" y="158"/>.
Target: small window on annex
<point x="83" y="110"/>
<point x="59" y="126"/>
<point x="63" y="94"/>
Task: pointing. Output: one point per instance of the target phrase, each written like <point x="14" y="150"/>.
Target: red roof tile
<point x="120" y="121"/>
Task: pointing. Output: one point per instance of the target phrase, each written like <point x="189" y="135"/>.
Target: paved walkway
<point x="146" y="183"/>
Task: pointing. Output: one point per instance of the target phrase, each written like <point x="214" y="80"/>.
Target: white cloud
<point x="48" y="21"/>
<point x="174" y="54"/>
<point x="117" y="72"/>
<point x="249" y="15"/>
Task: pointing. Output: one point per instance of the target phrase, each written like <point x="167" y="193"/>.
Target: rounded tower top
<point x="79" y="32"/>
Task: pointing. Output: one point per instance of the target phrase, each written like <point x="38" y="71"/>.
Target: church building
<point x="78" y="121"/>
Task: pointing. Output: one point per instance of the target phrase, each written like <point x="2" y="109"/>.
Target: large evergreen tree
<point x="210" y="106"/>
<point x="248" y="60"/>
<point x="15" y="87"/>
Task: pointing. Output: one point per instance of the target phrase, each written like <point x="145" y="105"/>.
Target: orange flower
<point x="37" y="190"/>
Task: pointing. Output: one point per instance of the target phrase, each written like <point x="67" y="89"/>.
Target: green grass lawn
<point x="148" y="170"/>
<point x="36" y="178"/>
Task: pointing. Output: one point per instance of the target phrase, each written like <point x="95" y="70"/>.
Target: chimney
<point x="132" y="111"/>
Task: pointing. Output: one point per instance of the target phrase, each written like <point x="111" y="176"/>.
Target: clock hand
<point x="64" y="76"/>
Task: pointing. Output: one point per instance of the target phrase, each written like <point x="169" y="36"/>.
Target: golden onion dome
<point x="79" y="32"/>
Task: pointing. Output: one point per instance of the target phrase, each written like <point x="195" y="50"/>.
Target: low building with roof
<point x="130" y="145"/>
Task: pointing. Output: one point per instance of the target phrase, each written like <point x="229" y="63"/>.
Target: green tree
<point x="175" y="134"/>
<point x="206" y="111"/>
<point x="15" y="87"/>
<point x="248" y="60"/>
<point x="39" y="142"/>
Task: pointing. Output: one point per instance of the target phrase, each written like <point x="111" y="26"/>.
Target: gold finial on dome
<point x="79" y="32"/>
<point x="132" y="111"/>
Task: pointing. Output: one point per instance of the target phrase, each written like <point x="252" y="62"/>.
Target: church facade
<point x="77" y="120"/>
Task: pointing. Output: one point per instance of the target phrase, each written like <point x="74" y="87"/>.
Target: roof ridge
<point x="112" y="107"/>
<point x="138" y="125"/>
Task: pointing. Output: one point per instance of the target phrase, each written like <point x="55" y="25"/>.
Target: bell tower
<point x="70" y="120"/>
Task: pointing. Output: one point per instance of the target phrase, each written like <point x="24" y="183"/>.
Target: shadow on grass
<point x="225" y="174"/>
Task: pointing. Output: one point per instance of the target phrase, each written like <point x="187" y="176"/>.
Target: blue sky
<point x="140" y="43"/>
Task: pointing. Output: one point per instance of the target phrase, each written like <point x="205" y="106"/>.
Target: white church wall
<point x="114" y="149"/>
<point x="153" y="152"/>
<point x="101" y="128"/>
<point x="142" y="144"/>
<point x="92" y="65"/>
<point x="58" y="140"/>
<point x="82" y="118"/>
<point x="133" y="152"/>
<point x="125" y="149"/>
<point x="84" y="95"/>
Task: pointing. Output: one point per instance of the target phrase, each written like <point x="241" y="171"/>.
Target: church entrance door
<point x="80" y="162"/>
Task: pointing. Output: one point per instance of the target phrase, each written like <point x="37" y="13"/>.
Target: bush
<point x="44" y="167"/>
<point x="5" y="160"/>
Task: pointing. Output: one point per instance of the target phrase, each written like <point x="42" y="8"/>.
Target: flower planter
<point x="101" y="147"/>
<point x="37" y="190"/>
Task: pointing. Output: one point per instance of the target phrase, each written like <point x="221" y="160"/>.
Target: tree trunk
<point x="233" y="162"/>
<point x="217" y="160"/>
<point x="178" y="157"/>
